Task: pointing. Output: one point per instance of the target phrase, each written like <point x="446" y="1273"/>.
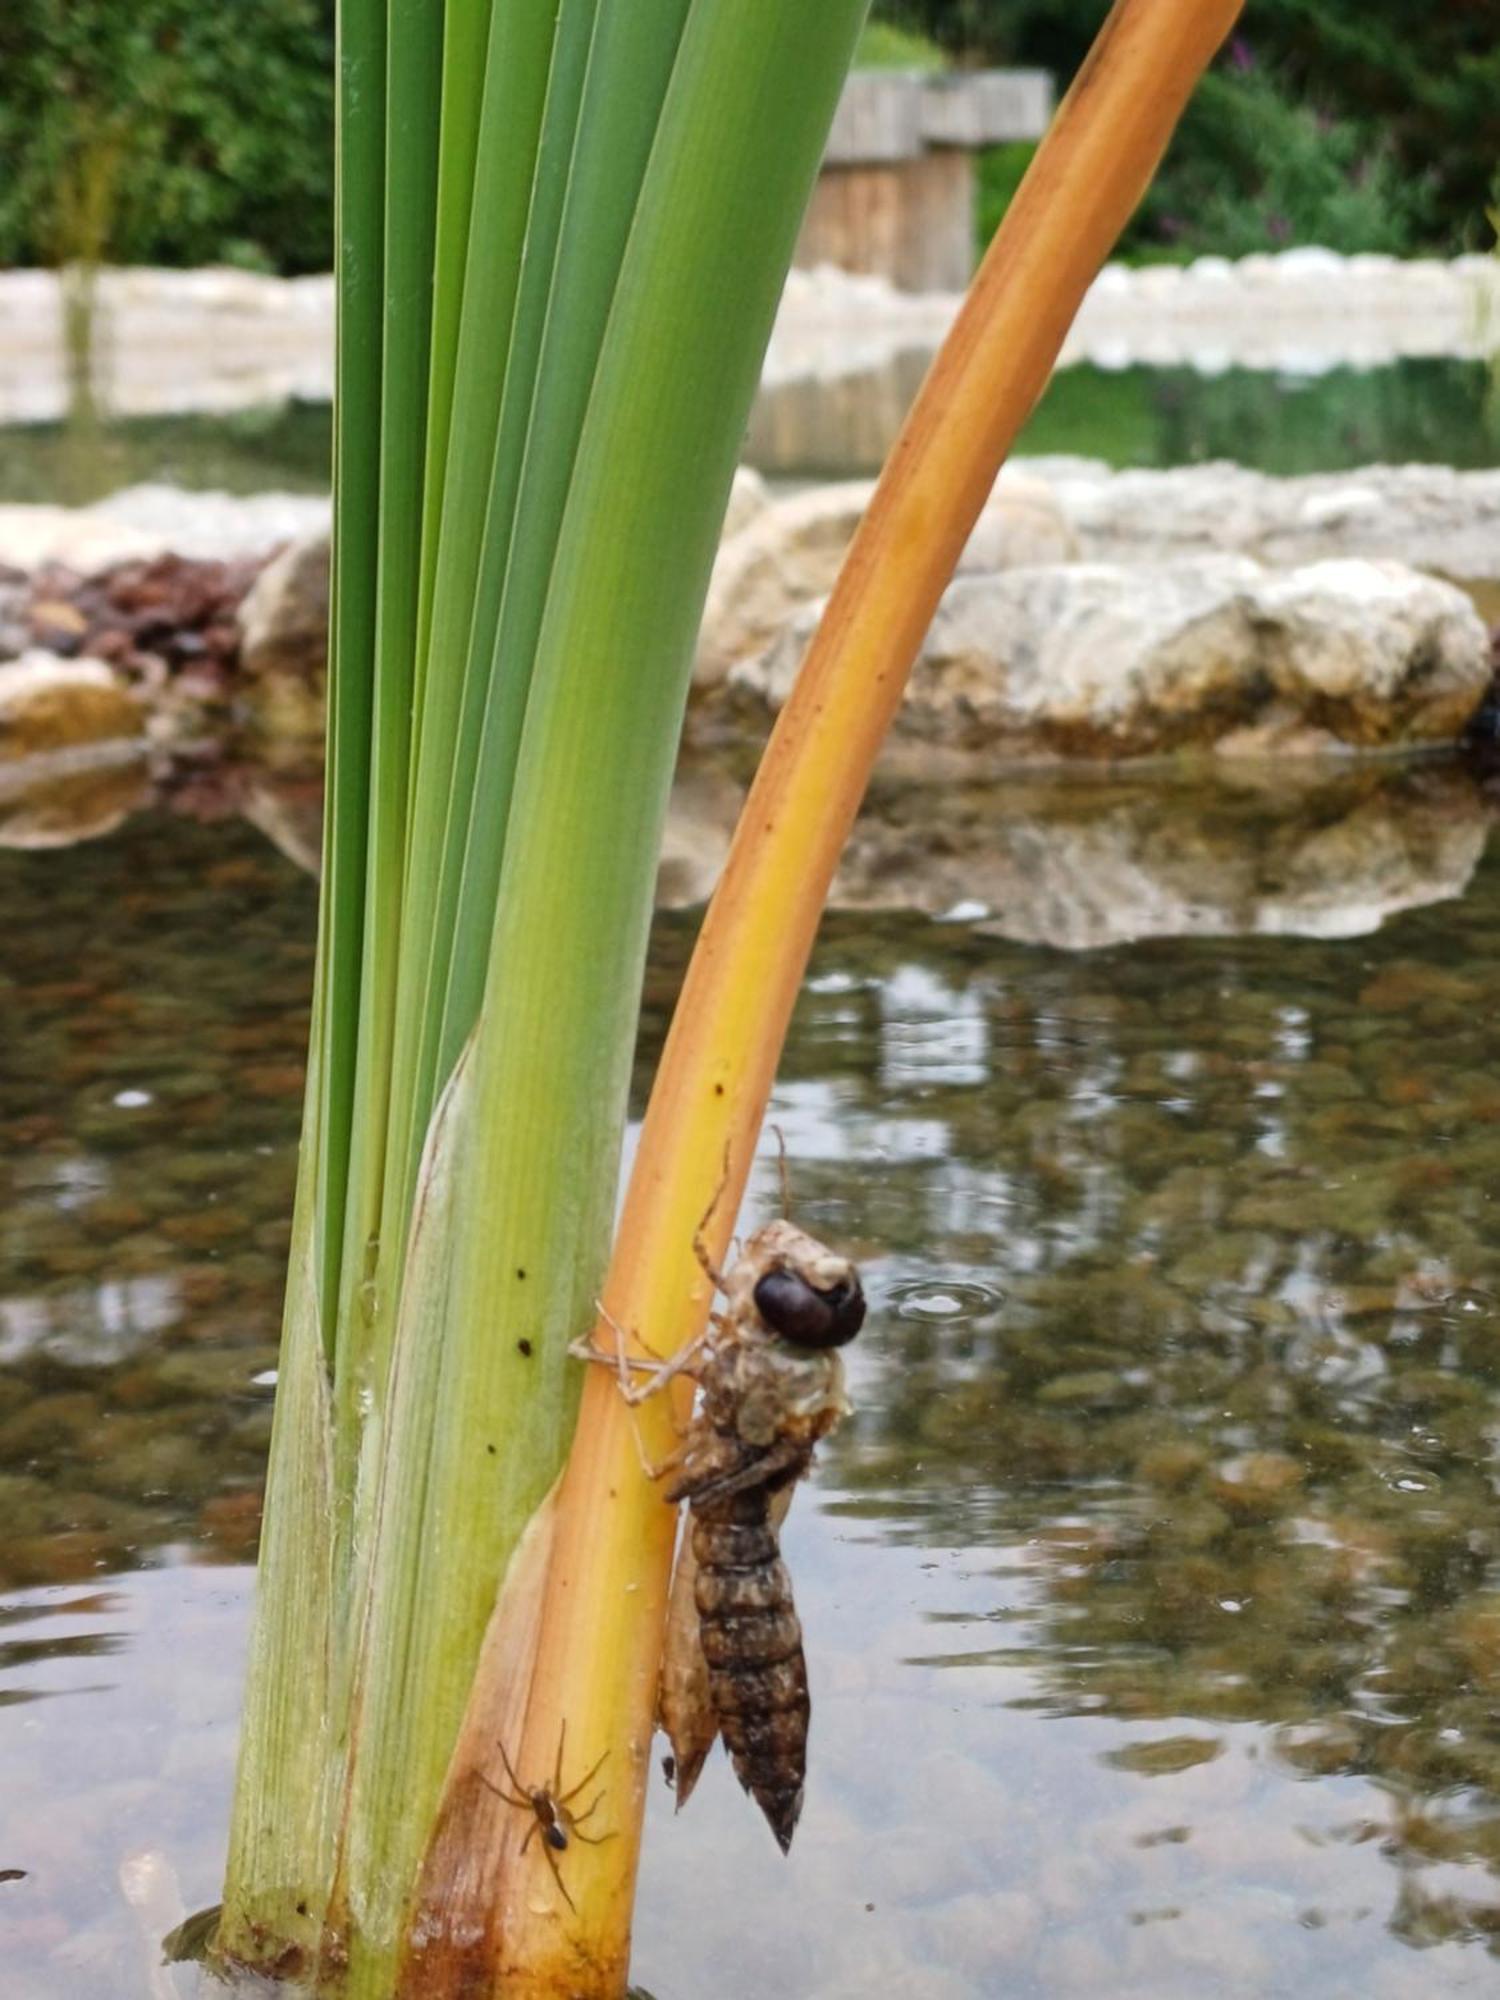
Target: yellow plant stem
<point x="601" y="1619"/>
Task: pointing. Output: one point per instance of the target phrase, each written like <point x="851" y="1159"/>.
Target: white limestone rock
<point x="141" y="522"/>
<point x="1210" y="653"/>
<point x="1430" y="516"/>
<point x="790" y="553"/>
<point x="283" y="618"/>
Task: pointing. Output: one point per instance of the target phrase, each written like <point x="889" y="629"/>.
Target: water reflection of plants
<point x="1225" y="1384"/>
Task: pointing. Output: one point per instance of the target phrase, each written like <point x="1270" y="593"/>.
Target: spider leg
<point x="531" y="1835"/>
<point x="510" y="1769"/>
<point x="563" y="1798"/>
<point x="597" y="1839"/>
<point x="510" y="1798"/>
<point x="557" y="1875"/>
<point x="576" y="1820"/>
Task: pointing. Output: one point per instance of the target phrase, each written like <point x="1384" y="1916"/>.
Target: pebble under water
<point x="1152" y="1594"/>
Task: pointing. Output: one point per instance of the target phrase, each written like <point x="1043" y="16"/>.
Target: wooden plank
<point x="986" y="107"/>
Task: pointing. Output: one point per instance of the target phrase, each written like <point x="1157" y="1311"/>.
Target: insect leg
<point x="623" y="1334"/>
<point x="764" y="1468"/>
<point x="531" y="1835"/>
<point x="660" y="1372"/>
<point x="700" y="1249"/>
<point x="652" y="1471"/>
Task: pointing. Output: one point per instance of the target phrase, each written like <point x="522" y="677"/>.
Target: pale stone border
<point x="216" y="340"/>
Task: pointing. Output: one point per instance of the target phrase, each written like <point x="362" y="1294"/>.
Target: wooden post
<point x="897" y="194"/>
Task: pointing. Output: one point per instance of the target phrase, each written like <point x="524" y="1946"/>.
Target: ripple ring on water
<point x="937" y="1301"/>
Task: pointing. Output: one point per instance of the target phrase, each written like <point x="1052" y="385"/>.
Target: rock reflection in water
<point x="1075" y="858"/>
<point x="1083" y="860"/>
<point x="1101" y="861"/>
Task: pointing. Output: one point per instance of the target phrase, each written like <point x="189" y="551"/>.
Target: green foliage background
<point x="1358" y="124"/>
<point x="167" y="131"/>
<point x="170" y="131"/>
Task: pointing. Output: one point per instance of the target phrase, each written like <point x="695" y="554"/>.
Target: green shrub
<point x="1258" y="170"/>
<point x="1403" y="97"/>
<point x="883" y="46"/>
<point x="170" y="131"/>
<point x="167" y="131"/>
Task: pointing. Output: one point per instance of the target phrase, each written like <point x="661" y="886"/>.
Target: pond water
<point x="1440" y="412"/>
<point x="1152" y="1594"/>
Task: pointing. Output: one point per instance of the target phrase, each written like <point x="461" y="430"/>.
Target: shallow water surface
<point x="1437" y="412"/>
<point x="1152" y="1595"/>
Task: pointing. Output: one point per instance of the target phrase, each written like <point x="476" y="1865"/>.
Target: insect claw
<point x="700" y="1249"/>
<point x="652" y="1471"/>
<point x="624" y="1336"/>
<point x="587" y="1349"/>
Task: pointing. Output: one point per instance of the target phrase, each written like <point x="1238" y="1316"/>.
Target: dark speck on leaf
<point x="524" y="1347"/>
<point x="490" y="1449"/>
<point x="519" y="1272"/>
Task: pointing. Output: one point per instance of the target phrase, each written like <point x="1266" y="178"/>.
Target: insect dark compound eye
<point x="802" y="1314"/>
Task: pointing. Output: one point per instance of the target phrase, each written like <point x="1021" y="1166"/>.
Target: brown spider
<point x="548" y="1805"/>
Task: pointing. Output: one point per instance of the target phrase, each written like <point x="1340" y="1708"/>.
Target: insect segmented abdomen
<point x="752" y="1642"/>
